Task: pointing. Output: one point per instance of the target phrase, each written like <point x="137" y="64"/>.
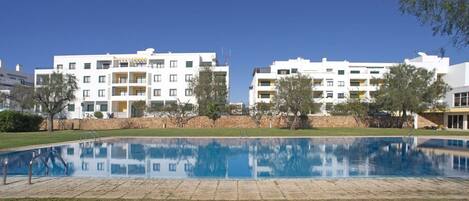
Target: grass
<point x="11" y="140"/>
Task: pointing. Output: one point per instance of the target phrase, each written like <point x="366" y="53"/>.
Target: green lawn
<point x="9" y="140"/>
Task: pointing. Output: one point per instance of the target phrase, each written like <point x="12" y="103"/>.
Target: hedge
<point x="12" y="121"/>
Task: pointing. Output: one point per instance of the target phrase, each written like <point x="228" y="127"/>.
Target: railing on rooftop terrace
<point x="261" y="70"/>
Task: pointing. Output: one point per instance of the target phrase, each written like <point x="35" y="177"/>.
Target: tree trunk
<point x="50" y="122"/>
<point x="293" y="126"/>
<point x="404" y="118"/>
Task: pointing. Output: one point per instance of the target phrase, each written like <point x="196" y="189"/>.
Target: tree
<point x="138" y="108"/>
<point x="22" y="97"/>
<point x="213" y="112"/>
<point x="446" y="17"/>
<point x="294" y="97"/>
<point x="179" y="112"/>
<point x="354" y="107"/>
<point x="259" y="110"/>
<point x="53" y="93"/>
<point x="407" y="88"/>
<point x="210" y="89"/>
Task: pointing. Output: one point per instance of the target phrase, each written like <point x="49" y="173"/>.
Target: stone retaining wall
<point x="203" y="122"/>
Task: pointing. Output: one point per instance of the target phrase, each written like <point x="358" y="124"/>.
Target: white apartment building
<point x="10" y="78"/>
<point x="335" y="81"/>
<point x="110" y="83"/>
<point x="457" y="115"/>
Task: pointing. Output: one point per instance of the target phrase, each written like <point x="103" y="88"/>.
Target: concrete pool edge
<point x="274" y="189"/>
<point x="28" y="147"/>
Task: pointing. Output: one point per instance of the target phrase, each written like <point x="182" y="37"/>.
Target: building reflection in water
<point x="252" y="158"/>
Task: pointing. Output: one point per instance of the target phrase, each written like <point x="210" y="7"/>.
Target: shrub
<point x="12" y="121"/>
<point x="98" y="114"/>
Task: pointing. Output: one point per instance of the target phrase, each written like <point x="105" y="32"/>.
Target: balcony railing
<point x="143" y="81"/>
<point x="119" y="81"/>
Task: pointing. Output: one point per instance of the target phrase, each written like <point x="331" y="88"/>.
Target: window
<point x="188" y="77"/>
<point x="71" y="107"/>
<point x="70" y="151"/>
<point x="188" y="92"/>
<point x="172" y="92"/>
<point x="329" y="106"/>
<point x="101" y="93"/>
<point x="341" y="83"/>
<point x="60" y="66"/>
<point x="173" y="64"/>
<point x="102" y="79"/>
<point x="294" y="70"/>
<point x="100" y="166"/>
<point x="354" y="83"/>
<point x="84" y="166"/>
<point x="159" y="64"/>
<point x="89" y="108"/>
<point x="103" y="64"/>
<point x="341" y="95"/>
<point x="330" y="83"/>
<point x="86" y="93"/>
<point x="461" y="99"/>
<point x="341" y="72"/>
<point x="87" y="66"/>
<point x="328" y="70"/>
<point x="263" y="95"/>
<point x="374" y="72"/>
<point x="283" y="72"/>
<point x="264" y="83"/>
<point x="455" y="121"/>
<point x="189" y="64"/>
<point x="354" y="94"/>
<point x="354" y="72"/>
<point x="329" y="94"/>
<point x="172" y="167"/>
<point x="156" y="167"/>
<point x="124" y="64"/>
<point x="187" y="167"/>
<point x="103" y="107"/>
<point x="156" y="92"/>
<point x="157" y="78"/>
<point x="86" y="79"/>
<point x="71" y="66"/>
<point x="173" y="78"/>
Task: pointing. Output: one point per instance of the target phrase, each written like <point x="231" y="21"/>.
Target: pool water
<point x="248" y="158"/>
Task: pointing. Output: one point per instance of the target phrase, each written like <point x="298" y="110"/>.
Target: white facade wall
<point x="457" y="114"/>
<point x="124" y="85"/>
<point x="335" y="81"/>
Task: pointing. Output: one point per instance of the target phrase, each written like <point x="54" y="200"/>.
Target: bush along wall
<point x="12" y="121"/>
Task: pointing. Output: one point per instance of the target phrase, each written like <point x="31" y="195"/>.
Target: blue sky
<point x="256" y="32"/>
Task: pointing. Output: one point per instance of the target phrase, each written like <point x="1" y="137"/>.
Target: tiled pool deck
<point x="291" y="189"/>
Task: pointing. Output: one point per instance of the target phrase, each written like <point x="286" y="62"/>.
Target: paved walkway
<point x="390" y="188"/>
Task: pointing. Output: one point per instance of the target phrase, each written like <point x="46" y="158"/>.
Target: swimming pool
<point x="248" y="158"/>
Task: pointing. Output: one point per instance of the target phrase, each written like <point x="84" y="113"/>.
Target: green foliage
<point x="352" y="107"/>
<point x="138" y="108"/>
<point x="260" y="110"/>
<point x="98" y="114"/>
<point x="12" y="121"/>
<point x="447" y="17"/>
<point x="179" y="113"/>
<point x="54" y="93"/>
<point x="213" y="112"/>
<point x="407" y="88"/>
<point x="22" y="97"/>
<point x="210" y="89"/>
<point x="294" y="97"/>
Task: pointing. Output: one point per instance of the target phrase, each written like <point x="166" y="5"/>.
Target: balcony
<point x="120" y="81"/>
<point x="138" y="81"/>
